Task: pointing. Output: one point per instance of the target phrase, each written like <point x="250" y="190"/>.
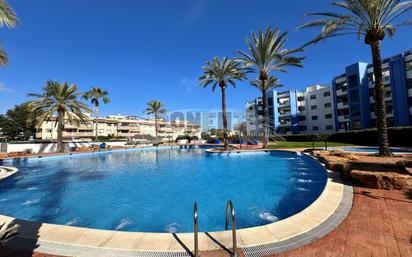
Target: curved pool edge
<point x="318" y="219"/>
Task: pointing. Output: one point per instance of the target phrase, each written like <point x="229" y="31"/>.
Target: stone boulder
<point x="382" y="180"/>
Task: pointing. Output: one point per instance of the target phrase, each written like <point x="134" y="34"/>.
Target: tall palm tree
<point x="156" y="108"/>
<point x="270" y="83"/>
<point x="372" y="20"/>
<point x="94" y="95"/>
<point x="61" y="99"/>
<point x="267" y="54"/>
<point x="221" y="73"/>
<point x="9" y="18"/>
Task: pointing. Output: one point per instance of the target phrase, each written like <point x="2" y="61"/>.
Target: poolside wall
<point x="49" y="147"/>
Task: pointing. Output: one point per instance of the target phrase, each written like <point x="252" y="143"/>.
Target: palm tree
<point x="94" y="95"/>
<point x="372" y="20"/>
<point x="271" y="83"/>
<point x="7" y="17"/>
<point x="221" y="73"/>
<point x="61" y="99"/>
<point x="242" y="128"/>
<point x="156" y="108"/>
<point x="267" y="54"/>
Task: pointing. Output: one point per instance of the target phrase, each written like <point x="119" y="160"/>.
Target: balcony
<point x="128" y="128"/>
<point x="387" y="99"/>
<point x="70" y="126"/>
<point x="285" y="124"/>
<point x="284" y="104"/>
<point x="388" y="115"/>
<point x="77" y="134"/>
<point x="343" y="105"/>
<point x="409" y="74"/>
<point x="284" y="114"/>
<point x="341" y="92"/>
<point x="343" y="118"/>
<point x="88" y="126"/>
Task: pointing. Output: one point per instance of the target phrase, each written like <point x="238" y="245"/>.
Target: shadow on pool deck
<point x="21" y="245"/>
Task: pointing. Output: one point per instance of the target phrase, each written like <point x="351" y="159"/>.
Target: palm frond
<point x="220" y="72"/>
<point x="267" y="53"/>
<point x="359" y="17"/>
<point x="7" y="15"/>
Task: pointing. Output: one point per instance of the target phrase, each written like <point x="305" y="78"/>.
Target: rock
<point x="382" y="180"/>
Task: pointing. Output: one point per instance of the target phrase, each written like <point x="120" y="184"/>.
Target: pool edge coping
<point x="58" y="239"/>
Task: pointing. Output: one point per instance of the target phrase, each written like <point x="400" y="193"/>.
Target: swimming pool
<point x="154" y="190"/>
<point x="372" y="149"/>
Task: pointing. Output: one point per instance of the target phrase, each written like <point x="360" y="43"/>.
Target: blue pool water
<point x="372" y="150"/>
<point x="154" y="191"/>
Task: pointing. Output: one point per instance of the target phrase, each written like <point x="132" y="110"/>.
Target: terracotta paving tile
<point x="405" y="247"/>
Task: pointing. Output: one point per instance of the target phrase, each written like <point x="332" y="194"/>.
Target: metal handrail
<point x="230" y="210"/>
<point x="196" y="230"/>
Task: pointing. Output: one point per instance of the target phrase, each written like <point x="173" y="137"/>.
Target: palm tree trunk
<point x="265" y="117"/>
<point x="97" y="123"/>
<point x="222" y="87"/>
<point x="60" y="126"/>
<point x="156" y="128"/>
<point x="380" y="108"/>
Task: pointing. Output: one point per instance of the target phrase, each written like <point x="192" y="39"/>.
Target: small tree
<point x="156" y="108"/>
<point x="94" y="95"/>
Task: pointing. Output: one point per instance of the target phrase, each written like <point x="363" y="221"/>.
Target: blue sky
<point x="154" y="49"/>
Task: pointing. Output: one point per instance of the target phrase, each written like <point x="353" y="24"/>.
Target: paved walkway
<point x="379" y="224"/>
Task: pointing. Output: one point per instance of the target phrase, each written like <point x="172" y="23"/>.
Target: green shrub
<point x="398" y="137"/>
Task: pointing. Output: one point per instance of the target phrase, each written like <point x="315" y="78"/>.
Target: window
<point x="314" y="107"/>
<point x="302" y="128"/>
<point x="354" y="96"/>
<point x="329" y="127"/>
<point x="302" y="118"/>
<point x="301" y="108"/>
<point x="328" y="105"/>
<point x="270" y="101"/>
<point x="48" y="130"/>
<point x="326" y="94"/>
<point x="353" y="81"/>
<point x="315" y="128"/>
<point x="301" y="98"/>
<point x="409" y="83"/>
<point x="328" y="116"/>
<point x="314" y="117"/>
<point x="312" y="97"/>
<point x="409" y="65"/>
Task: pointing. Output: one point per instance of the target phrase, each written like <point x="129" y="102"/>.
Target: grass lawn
<point x="285" y="144"/>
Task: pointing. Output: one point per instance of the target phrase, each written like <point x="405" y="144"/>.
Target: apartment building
<point x="316" y="110"/>
<point x="294" y="112"/>
<point x="349" y="104"/>
<point x="354" y="94"/>
<point x="127" y="127"/>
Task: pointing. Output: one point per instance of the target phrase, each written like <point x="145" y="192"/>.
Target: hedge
<point x="398" y="136"/>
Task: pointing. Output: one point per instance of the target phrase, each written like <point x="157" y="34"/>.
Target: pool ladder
<point x="230" y="212"/>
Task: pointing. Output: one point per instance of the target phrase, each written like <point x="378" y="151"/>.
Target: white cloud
<point x="188" y="84"/>
<point x="3" y="88"/>
<point x="195" y="10"/>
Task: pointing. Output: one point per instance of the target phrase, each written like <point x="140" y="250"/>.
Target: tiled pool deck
<point x="379" y="224"/>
